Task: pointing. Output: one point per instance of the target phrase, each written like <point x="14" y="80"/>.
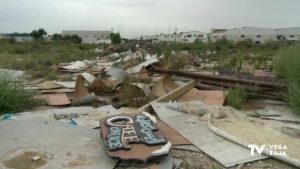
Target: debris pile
<point x="143" y="111"/>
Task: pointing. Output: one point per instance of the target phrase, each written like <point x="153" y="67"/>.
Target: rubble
<point x="142" y="115"/>
<point x="198" y="133"/>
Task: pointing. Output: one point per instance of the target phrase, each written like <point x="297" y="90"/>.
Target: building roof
<point x="213" y="30"/>
<point x="250" y="31"/>
<point x="11" y="35"/>
<point x="292" y="30"/>
<point x="85" y="32"/>
<point x="193" y="32"/>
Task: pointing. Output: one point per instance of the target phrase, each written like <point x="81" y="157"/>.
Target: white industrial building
<point x="288" y="34"/>
<point x="190" y="37"/>
<point x="257" y="35"/>
<point x="217" y="34"/>
<point x="182" y="37"/>
<point x="175" y="37"/>
<point x="90" y="37"/>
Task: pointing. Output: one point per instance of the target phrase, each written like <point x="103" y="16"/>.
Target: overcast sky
<point x="139" y="17"/>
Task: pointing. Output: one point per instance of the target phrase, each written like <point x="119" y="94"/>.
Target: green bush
<point x="236" y="97"/>
<point x="13" y="97"/>
<point x="287" y="65"/>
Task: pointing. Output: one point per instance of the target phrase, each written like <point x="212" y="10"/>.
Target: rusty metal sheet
<point x="209" y="97"/>
<point x="103" y="85"/>
<point x="120" y="131"/>
<point x="80" y="89"/>
<point x="172" y="135"/>
<point x="56" y="99"/>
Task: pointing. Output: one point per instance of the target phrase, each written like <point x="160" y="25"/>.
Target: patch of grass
<point x="287" y="65"/>
<point x="13" y="97"/>
<point x="236" y="97"/>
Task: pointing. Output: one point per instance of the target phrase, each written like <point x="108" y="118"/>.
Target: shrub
<point x="13" y="97"/>
<point x="236" y="97"/>
<point x="287" y="65"/>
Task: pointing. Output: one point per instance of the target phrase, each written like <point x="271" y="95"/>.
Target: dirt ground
<point x="199" y="160"/>
<point x="195" y="159"/>
<point x="24" y="161"/>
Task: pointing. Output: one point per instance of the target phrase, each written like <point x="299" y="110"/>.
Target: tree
<point x="72" y="39"/>
<point x="115" y="38"/>
<point x="56" y="36"/>
<point x="38" y="34"/>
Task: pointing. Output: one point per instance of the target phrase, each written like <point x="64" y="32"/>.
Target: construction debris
<point x="235" y="124"/>
<point x="142" y="115"/>
<point x="210" y="143"/>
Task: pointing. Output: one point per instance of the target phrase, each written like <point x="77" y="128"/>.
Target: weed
<point x="287" y="65"/>
<point x="236" y="97"/>
<point x="13" y="97"/>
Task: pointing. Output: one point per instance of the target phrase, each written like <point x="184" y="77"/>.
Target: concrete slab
<point x="197" y="132"/>
<point x="68" y="146"/>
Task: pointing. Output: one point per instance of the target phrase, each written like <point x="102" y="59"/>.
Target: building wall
<point x="190" y="37"/>
<point x="289" y="34"/>
<point x="217" y="34"/>
<point x="169" y="37"/>
<point x="23" y="39"/>
<point x="91" y="37"/>
<point x="257" y="35"/>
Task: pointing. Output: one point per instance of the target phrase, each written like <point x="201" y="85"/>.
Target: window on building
<point x="242" y="36"/>
<point x="258" y="36"/>
<point x="200" y="36"/>
<point x="257" y="42"/>
<point x="292" y="36"/>
<point x="188" y="36"/>
<point x="279" y="37"/>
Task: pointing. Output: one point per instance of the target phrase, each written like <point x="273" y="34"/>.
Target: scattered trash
<point x="158" y="110"/>
<point x="90" y="98"/>
<point x="199" y="134"/>
<point x="36" y="158"/>
<point x="259" y="132"/>
<point x="117" y="74"/>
